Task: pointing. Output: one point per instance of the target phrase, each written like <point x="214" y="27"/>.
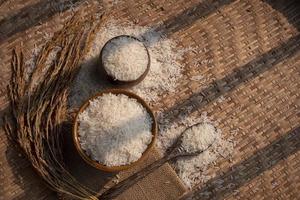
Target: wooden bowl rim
<point x="123" y="83"/>
<point x="96" y="164"/>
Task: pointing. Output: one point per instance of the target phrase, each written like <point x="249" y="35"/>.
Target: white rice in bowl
<point x="125" y="58"/>
<point x="114" y="129"/>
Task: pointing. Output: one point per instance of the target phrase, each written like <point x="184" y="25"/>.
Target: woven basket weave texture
<point x="248" y="52"/>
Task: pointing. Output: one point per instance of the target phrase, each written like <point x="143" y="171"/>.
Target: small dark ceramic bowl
<point x="122" y="83"/>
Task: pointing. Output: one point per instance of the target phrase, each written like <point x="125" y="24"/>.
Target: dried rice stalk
<point x="39" y="105"/>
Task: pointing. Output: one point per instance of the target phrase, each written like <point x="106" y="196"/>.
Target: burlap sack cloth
<point x="161" y="184"/>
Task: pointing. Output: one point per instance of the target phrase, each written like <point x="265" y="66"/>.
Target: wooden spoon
<point x="173" y="153"/>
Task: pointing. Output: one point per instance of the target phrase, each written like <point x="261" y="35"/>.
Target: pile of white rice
<point x="125" y="58"/>
<point x="194" y="170"/>
<point x="162" y="78"/>
<point x="114" y="129"/>
<point x="198" y="137"/>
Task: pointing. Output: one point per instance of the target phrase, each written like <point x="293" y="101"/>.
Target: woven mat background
<point x="248" y="54"/>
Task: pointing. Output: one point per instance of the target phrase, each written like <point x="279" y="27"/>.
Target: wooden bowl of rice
<point x="131" y="66"/>
<point x="77" y="135"/>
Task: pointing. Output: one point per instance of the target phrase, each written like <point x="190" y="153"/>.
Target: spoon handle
<point x="127" y="183"/>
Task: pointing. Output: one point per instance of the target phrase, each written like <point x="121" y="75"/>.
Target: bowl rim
<point x="123" y="83"/>
<point x="96" y="164"/>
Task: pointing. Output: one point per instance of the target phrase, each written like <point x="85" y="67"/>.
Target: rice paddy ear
<point x="42" y="103"/>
